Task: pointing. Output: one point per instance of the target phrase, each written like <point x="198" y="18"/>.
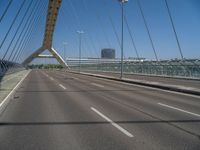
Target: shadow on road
<point x="77" y="91"/>
<point x="94" y="122"/>
<point x="78" y="123"/>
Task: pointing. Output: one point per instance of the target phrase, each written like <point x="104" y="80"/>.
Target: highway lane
<point x="142" y="98"/>
<point x="139" y="91"/>
<point x="56" y="110"/>
<point x="149" y="99"/>
<point x="45" y="117"/>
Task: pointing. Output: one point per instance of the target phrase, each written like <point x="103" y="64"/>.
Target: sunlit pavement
<point x="56" y="110"/>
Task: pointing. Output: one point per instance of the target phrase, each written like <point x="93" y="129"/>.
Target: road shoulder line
<point x="175" y="108"/>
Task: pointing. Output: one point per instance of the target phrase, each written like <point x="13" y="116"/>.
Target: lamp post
<point x="122" y="38"/>
<point x="80" y="42"/>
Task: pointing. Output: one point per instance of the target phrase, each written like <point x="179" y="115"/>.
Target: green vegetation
<point x="45" y="66"/>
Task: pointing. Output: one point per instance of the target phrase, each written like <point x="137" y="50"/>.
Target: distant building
<point x="108" y="53"/>
<point x="136" y="59"/>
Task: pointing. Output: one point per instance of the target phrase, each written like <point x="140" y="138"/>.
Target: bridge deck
<point x="55" y="110"/>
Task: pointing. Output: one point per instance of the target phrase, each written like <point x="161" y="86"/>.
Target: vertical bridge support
<point x="53" y="10"/>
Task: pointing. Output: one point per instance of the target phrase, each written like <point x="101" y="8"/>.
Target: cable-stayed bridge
<point x="59" y="89"/>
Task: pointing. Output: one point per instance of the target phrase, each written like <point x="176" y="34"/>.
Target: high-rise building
<point x="108" y="53"/>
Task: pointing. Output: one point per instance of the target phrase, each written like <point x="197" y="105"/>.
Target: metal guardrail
<point x="173" y="68"/>
<point x="7" y="67"/>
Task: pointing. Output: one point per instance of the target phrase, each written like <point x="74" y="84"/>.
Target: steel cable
<point x="30" y="31"/>
<point x="13" y="22"/>
<point x="22" y="34"/>
<point x="174" y="30"/>
<point x="16" y="32"/>
<point x="5" y="11"/>
<point x="147" y="28"/>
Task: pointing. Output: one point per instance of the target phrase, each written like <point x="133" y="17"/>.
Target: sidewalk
<point x="8" y="82"/>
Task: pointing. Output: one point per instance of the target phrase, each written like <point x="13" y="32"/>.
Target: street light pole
<point x="80" y="43"/>
<point x="122" y="38"/>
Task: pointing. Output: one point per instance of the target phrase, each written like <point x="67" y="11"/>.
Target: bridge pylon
<point x="53" y="10"/>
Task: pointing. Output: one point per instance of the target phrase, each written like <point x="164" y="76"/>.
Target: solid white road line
<point x="7" y="97"/>
<point x="98" y="85"/>
<point x="191" y="113"/>
<point x="113" y="123"/>
<point x="62" y="86"/>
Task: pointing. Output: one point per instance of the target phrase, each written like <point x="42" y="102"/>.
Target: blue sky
<point x="92" y="16"/>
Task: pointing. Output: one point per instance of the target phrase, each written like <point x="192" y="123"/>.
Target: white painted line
<point x="7" y="97"/>
<point x="45" y="74"/>
<point x="76" y="78"/>
<point x="51" y="78"/>
<point x="60" y="75"/>
<point x="62" y="86"/>
<point x="185" y="111"/>
<point x="113" y="123"/>
<point x="98" y="85"/>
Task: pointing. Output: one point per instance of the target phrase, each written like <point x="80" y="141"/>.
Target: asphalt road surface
<point x="53" y="110"/>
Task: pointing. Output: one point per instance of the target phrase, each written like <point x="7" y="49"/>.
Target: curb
<point x="173" y="88"/>
<point x="151" y="75"/>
